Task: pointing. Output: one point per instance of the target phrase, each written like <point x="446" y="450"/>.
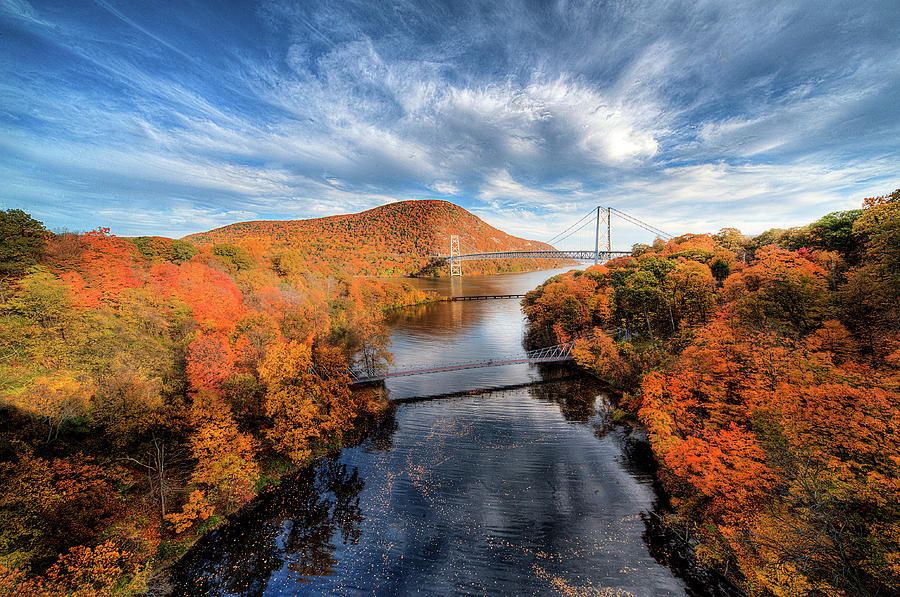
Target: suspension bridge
<point x="598" y="221"/>
<point x="596" y="218"/>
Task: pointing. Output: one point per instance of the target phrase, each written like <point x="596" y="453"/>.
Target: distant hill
<point x="394" y="239"/>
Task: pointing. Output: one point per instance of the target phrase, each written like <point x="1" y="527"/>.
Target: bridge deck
<point x="485" y="297"/>
<point x="548" y="354"/>
<point x="586" y="255"/>
<point x="461" y="366"/>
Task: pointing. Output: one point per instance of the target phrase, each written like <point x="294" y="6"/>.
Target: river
<point x="517" y="485"/>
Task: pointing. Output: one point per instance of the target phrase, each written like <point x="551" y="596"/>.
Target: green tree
<point x="834" y="232"/>
<point x="234" y="256"/>
<point x="720" y="269"/>
<point x="182" y="251"/>
<point x="642" y="298"/>
<point x="22" y="241"/>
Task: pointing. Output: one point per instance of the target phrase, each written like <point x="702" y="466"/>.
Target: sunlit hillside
<point x="398" y="238"/>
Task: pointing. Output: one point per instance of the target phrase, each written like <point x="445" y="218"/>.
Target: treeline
<point x="396" y="239"/>
<point x="149" y="387"/>
<point x="767" y="373"/>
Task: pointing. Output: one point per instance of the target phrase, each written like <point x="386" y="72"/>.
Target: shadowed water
<point x="525" y="491"/>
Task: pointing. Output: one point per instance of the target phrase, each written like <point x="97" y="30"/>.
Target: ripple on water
<point x="475" y="495"/>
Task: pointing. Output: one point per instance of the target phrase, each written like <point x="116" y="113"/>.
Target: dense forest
<point x="148" y="388"/>
<point x="392" y="240"/>
<point x="766" y="371"/>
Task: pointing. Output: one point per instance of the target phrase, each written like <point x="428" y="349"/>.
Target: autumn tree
<point x="43" y="297"/>
<point x="236" y="257"/>
<point x="691" y="285"/>
<point x="872" y="292"/>
<point x="603" y="356"/>
<point x="308" y="397"/>
<point x="784" y="288"/>
<point x="210" y="361"/>
<point x="56" y="400"/>
<point x="22" y="241"/>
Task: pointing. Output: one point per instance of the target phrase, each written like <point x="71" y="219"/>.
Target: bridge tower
<point x="455" y="264"/>
<point x="603" y="215"/>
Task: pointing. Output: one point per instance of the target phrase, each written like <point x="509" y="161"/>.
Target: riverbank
<point x="497" y="490"/>
<point x="274" y="469"/>
<point x="438" y="490"/>
<point x="751" y="377"/>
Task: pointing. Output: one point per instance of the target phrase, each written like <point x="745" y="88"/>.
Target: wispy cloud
<point x="692" y="115"/>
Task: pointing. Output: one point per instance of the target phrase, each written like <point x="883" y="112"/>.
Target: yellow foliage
<point x="308" y="402"/>
<point x="225" y="463"/>
<point x="55" y="399"/>
<point x="197" y="507"/>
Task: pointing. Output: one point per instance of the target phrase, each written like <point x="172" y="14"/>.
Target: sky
<point x="178" y="117"/>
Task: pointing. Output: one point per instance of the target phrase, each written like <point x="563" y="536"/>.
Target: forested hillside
<point x="395" y="239"/>
<point x="767" y="373"/>
<point x="148" y="388"/>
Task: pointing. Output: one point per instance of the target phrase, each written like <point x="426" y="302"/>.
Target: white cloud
<point x="694" y="115"/>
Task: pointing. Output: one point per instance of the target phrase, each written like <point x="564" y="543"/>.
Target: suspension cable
<point x="554" y="238"/>
<point x="588" y="223"/>
<point x="644" y="225"/>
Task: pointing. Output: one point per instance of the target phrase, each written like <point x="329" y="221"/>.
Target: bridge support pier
<point x="603" y="215"/>
<point x="455" y="264"/>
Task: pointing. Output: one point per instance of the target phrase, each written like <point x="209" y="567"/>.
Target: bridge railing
<point x="580" y="255"/>
<point x="547" y="354"/>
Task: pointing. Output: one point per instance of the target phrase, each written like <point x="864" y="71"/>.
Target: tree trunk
<point x="649" y="329"/>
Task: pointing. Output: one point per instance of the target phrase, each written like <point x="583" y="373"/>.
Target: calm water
<point x="521" y="491"/>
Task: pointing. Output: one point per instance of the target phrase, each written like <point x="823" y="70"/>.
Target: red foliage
<point x="210" y="361"/>
<point x="213" y="297"/>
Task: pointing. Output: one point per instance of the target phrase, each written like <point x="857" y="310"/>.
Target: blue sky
<point x="692" y="115"/>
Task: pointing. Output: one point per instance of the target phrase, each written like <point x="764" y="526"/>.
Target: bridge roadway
<point x="483" y="297"/>
<point x="550" y="354"/>
<point x="456" y="367"/>
<point x="587" y="255"/>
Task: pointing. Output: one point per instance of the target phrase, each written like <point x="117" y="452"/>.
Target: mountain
<point x="398" y="238"/>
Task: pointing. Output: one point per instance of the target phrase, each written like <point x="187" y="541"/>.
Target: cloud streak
<point x="693" y="115"/>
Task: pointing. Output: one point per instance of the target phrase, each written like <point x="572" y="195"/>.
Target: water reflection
<point x="510" y="491"/>
<point x="578" y="398"/>
<point x="452" y="332"/>
<point x="526" y="491"/>
<point x="292" y="530"/>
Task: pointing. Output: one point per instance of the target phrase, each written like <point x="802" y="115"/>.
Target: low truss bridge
<point x="484" y="297"/>
<point x="550" y="354"/>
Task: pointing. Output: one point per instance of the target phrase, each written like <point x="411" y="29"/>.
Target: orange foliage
<point x="196" y="508"/>
<point x="82" y="572"/>
<point x="210" y="361"/>
<point x="601" y="355"/>
<point x="308" y="396"/>
<point x="102" y="270"/>
<point x="214" y="299"/>
<point x="571" y="302"/>
<point x="774" y="423"/>
<point x="392" y="239"/>
<point x="224" y="455"/>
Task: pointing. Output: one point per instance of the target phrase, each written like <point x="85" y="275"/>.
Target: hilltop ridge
<point x="393" y="239"/>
